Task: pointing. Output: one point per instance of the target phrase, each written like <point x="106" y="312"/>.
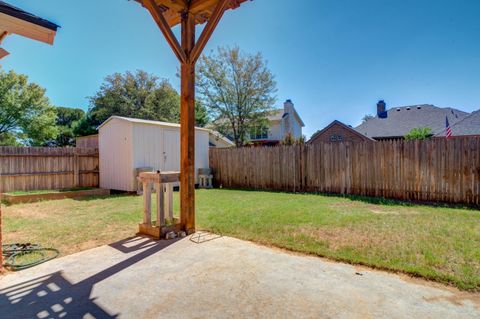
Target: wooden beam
<point x="3" y="53"/>
<point x="187" y="128"/>
<point x="209" y="28"/>
<point x="157" y="15"/>
<point x="26" y="29"/>
<point x="3" y="36"/>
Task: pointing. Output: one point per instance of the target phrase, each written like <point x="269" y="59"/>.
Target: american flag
<point x="448" y="130"/>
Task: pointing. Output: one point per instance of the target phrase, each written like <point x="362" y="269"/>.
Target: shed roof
<point x="140" y="121"/>
<point x="401" y="120"/>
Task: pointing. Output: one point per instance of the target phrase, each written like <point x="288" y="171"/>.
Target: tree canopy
<point x="419" y="133"/>
<point x="137" y="95"/>
<point x="26" y="115"/>
<point x="238" y="90"/>
<point x="367" y="117"/>
<point x="67" y="120"/>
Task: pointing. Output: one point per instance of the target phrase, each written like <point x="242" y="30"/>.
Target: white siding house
<point x="281" y="122"/>
<point x="126" y="144"/>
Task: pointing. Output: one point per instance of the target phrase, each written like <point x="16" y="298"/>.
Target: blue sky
<point x="333" y="58"/>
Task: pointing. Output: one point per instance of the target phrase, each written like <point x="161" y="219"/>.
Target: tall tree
<point x="139" y="95"/>
<point x="367" y="117"/>
<point x="238" y="90"/>
<point x="67" y="120"/>
<point x="26" y="115"/>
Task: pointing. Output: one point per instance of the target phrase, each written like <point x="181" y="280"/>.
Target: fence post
<point x="76" y="168"/>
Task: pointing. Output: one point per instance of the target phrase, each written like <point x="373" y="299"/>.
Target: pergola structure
<point x="16" y="21"/>
<point x="188" y="13"/>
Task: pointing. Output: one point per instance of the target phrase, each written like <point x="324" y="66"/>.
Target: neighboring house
<point x="396" y="122"/>
<point x="281" y="122"/>
<point x="338" y="132"/>
<point x="468" y="126"/>
<point x="127" y="144"/>
<point x="217" y="140"/>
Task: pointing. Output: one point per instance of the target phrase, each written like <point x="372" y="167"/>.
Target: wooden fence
<point x="431" y="170"/>
<point x="34" y="168"/>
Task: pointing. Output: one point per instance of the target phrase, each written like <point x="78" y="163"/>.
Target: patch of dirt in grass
<point x="27" y="212"/>
<point x="38" y="210"/>
<point x="457" y="298"/>
<point x="337" y="237"/>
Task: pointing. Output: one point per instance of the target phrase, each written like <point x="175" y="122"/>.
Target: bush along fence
<point x="34" y="168"/>
<point x="435" y="170"/>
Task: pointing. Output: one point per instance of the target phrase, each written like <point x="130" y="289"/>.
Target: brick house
<point x="338" y="132"/>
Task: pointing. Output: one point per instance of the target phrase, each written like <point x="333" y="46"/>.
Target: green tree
<point x="26" y="115"/>
<point x="419" y="133"/>
<point x="367" y="117"/>
<point x="201" y="114"/>
<point x="238" y="90"/>
<point x="84" y="127"/>
<point x="67" y="119"/>
<point x="138" y="95"/>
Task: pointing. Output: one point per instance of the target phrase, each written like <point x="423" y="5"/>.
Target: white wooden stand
<point x="163" y="182"/>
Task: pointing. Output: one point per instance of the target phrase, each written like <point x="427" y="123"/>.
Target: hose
<point x="34" y="254"/>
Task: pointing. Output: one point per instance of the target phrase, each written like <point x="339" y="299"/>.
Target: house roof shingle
<point x="402" y="120"/>
<point x="468" y="126"/>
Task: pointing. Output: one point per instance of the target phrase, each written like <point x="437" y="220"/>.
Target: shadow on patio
<point x="54" y="296"/>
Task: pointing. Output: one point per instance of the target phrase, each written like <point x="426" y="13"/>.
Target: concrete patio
<point x="206" y="276"/>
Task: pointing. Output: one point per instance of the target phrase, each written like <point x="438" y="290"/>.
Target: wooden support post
<point x="147" y="203"/>
<point x="159" y="189"/>
<point x="187" y="128"/>
<point x="187" y="53"/>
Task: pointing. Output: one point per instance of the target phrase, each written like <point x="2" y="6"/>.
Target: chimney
<point x="382" y="109"/>
<point x="288" y="111"/>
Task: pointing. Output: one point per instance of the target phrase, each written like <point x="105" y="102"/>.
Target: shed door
<point x="171" y="150"/>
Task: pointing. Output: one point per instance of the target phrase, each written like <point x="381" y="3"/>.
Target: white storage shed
<point x="127" y="144"/>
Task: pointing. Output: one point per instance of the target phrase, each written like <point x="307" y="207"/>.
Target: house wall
<point x="296" y="128"/>
<point x="116" y="155"/>
<point x="275" y="131"/>
<point x="337" y="131"/>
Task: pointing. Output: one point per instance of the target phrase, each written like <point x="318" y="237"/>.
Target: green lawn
<point x="438" y="243"/>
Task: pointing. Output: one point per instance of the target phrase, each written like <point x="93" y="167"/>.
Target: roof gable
<point x="336" y="122"/>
